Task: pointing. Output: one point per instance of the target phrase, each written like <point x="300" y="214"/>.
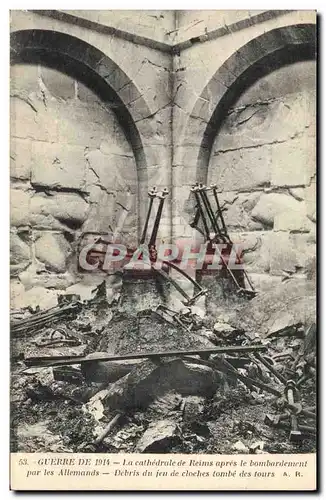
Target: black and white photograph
<point x="163" y="233"/>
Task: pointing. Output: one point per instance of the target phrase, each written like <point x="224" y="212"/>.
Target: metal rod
<point x="173" y="282"/>
<point x="220" y="213"/>
<point x="54" y="311"/>
<point x="158" y="217"/>
<point x="196" y="297"/>
<point x="223" y="366"/>
<point x="271" y="368"/>
<point x="228" y="368"/>
<point x="195" y="221"/>
<point x="230" y="272"/>
<point x="35" y="322"/>
<point x="209" y="211"/>
<point x="72" y="360"/>
<point x="200" y="208"/>
<point x="213" y="215"/>
<point x="151" y="195"/>
<point x="186" y="275"/>
<point x="248" y="279"/>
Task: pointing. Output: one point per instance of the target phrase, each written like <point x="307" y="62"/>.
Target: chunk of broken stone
<point x="124" y="437"/>
<point x="210" y="336"/>
<point x="193" y="408"/>
<point x="149" y="380"/>
<point x="200" y="428"/>
<point x="43" y="375"/>
<point x="256" y="447"/>
<point x="95" y="406"/>
<point x="223" y="329"/>
<point x="159" y="437"/>
<point x="165" y="404"/>
<point x="240" y="447"/>
<point x="128" y="392"/>
<point x="280" y="310"/>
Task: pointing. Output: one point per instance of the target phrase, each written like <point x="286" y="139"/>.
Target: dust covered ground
<point x="181" y="406"/>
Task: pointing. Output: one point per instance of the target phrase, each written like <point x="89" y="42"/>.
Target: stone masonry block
<point x="67" y="208"/>
<point x="184" y="175"/>
<point x="186" y="155"/>
<point x="106" y="67"/>
<point x="293" y="220"/>
<point x="101" y="216"/>
<point x="24" y="77"/>
<point x="202" y="109"/>
<point x="156" y="129"/>
<point x="237" y="214"/>
<point x="253" y="245"/>
<point x="24" y="120"/>
<point x="80" y="125"/>
<point x="272" y="41"/>
<point x="60" y="85"/>
<point x="305" y="249"/>
<point x="86" y="95"/>
<point x="259" y="123"/>
<point x="116" y="145"/>
<point x="273" y="204"/>
<point x="241" y="170"/>
<point x="196" y="71"/>
<point x="52" y="250"/>
<point x="19" y="207"/>
<point x="224" y="75"/>
<point x="20" y="158"/>
<point x="139" y="109"/>
<point x="185" y="96"/>
<point x="19" y="250"/>
<point x="192" y="132"/>
<point x="251" y="52"/>
<point x="158" y="176"/>
<point x="113" y="172"/>
<point x="310" y="194"/>
<point x="158" y="156"/>
<point x="117" y="79"/>
<point x="129" y="93"/>
<point x="57" y="165"/>
<point x="213" y="92"/>
<point x="158" y="96"/>
<point x="281" y="253"/>
<point x="293" y="162"/>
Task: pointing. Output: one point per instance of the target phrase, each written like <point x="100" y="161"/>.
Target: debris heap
<point x="157" y="379"/>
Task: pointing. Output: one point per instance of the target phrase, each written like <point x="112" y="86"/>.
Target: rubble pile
<point x="218" y="401"/>
<point x="130" y="373"/>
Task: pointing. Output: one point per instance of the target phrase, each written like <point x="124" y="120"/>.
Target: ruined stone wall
<point x="208" y="72"/>
<point x="137" y="73"/>
<point x="263" y="161"/>
<point x="171" y="105"/>
<point x="72" y="172"/>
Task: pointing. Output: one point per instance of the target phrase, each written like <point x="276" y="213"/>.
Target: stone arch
<point x="253" y="60"/>
<point x="93" y="67"/>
